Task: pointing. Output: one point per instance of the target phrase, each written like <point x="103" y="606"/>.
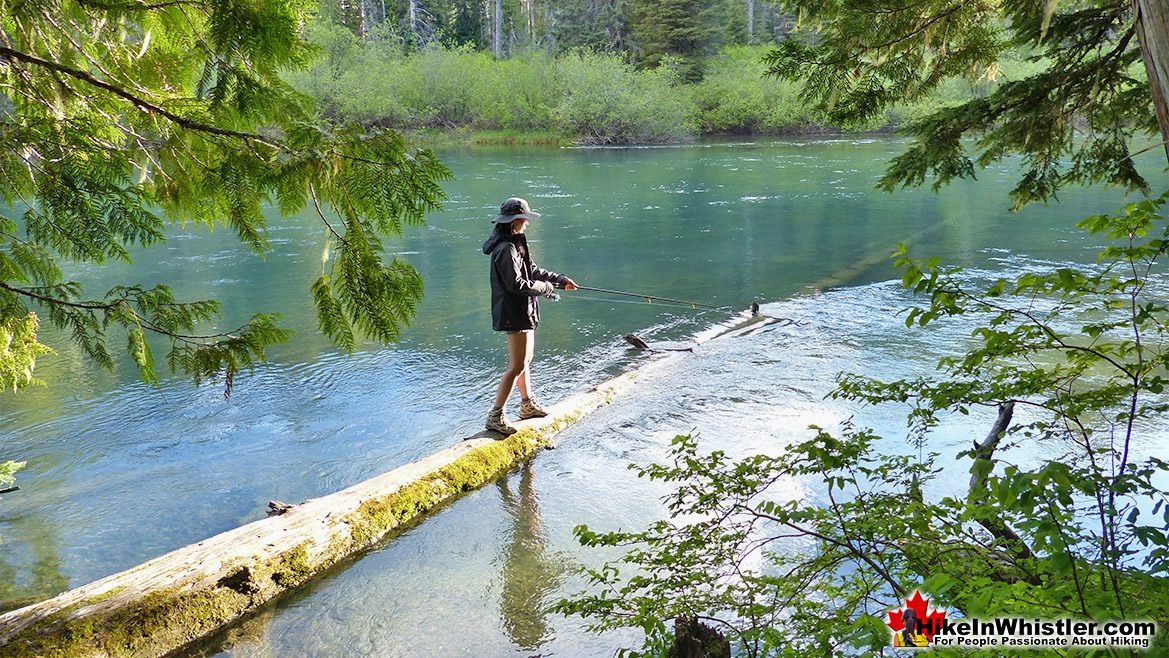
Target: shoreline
<point x="469" y="138"/>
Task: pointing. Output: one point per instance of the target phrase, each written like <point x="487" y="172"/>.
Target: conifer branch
<point x="140" y="6"/>
<point x="137" y="101"/>
<point x="1164" y="142"/>
<point x="111" y="306"/>
<point x="918" y="30"/>
<point x="320" y="213"/>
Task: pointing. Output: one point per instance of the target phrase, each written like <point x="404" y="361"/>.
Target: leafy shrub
<point x="519" y="93"/>
<point x="735" y="97"/>
<point x="608" y="102"/>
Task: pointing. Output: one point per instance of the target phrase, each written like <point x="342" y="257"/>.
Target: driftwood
<point x="636" y="341"/>
<point x="667" y="346"/>
<point x="741" y="324"/>
<point x="174" y="600"/>
<point x="9" y="490"/>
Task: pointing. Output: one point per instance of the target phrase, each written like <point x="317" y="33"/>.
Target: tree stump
<point x="693" y="639"/>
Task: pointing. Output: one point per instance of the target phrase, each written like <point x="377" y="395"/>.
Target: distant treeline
<point x="582" y="95"/>
<point x="644" y="31"/>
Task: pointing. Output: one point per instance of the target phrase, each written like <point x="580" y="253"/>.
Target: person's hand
<point x="569" y="284"/>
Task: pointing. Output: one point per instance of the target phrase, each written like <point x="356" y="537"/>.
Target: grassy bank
<point x="449" y="95"/>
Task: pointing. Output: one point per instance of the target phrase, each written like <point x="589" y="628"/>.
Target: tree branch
<point x="918" y="30"/>
<point x="984" y="452"/>
<point x="139" y="102"/>
<point x="885" y="575"/>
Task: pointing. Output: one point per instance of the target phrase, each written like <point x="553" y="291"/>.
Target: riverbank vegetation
<point x="449" y="93"/>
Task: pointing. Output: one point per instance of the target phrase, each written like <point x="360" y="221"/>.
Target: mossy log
<point x="171" y="601"/>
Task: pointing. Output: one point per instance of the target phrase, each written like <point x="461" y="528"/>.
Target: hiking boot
<point x="497" y="422"/>
<point x="531" y="409"/>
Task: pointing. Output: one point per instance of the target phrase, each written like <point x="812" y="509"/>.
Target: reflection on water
<point x="530" y="574"/>
<point x="30" y="561"/>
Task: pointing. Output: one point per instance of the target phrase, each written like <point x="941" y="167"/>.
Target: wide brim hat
<point x="513" y="209"/>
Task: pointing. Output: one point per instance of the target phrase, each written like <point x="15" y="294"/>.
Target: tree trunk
<point x="529" y="21"/>
<point x="550" y="28"/>
<point x="1153" y="33"/>
<point x="413" y="17"/>
<point x="750" y="21"/>
<point x="497" y="30"/>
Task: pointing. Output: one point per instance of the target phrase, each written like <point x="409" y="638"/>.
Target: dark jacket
<point x="516" y="283"/>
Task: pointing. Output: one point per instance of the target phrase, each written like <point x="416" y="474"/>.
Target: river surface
<point x="119" y="472"/>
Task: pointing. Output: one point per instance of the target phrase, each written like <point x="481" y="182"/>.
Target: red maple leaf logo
<point x="929" y="620"/>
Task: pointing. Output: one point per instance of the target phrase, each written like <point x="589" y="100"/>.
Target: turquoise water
<point x="119" y="472"/>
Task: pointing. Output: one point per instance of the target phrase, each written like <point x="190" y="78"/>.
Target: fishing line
<point x="623" y="301"/>
<point x="680" y="303"/>
<point x="649" y="298"/>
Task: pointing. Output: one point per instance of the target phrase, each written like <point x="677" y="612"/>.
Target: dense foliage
<point x="684" y="30"/>
<point x="1072" y="121"/>
<point x="583" y="96"/>
<point x="640" y="30"/>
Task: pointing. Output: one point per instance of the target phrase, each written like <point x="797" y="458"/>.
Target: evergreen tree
<point x="599" y="25"/>
<point x="1072" y="122"/>
<point x="732" y="22"/>
<point x="684" y="30"/>
<point x="465" y="21"/>
<point x="121" y="117"/>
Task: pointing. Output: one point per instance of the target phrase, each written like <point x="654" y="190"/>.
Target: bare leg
<point x="517" y="350"/>
<point x="525" y="377"/>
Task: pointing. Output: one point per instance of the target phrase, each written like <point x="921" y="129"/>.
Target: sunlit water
<point x="119" y="472"/>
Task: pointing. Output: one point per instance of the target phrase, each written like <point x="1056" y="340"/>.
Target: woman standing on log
<point x="516" y="283"/>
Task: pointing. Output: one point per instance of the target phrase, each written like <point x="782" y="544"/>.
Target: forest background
<point x="585" y="71"/>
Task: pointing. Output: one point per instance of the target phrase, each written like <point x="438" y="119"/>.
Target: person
<point x="516" y="285"/>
